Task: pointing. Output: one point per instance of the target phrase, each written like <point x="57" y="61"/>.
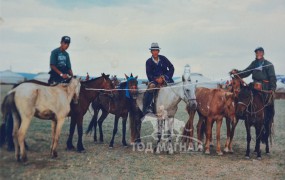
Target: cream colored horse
<point x="45" y="102"/>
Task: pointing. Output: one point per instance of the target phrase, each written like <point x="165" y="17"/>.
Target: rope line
<point x="174" y="86"/>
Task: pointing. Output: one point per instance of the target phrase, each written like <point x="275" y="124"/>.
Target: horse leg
<point x="199" y="134"/>
<point x="208" y="134"/>
<point x="258" y="135"/>
<point x="58" y="128"/>
<point x="94" y="120"/>
<point x="211" y="138"/>
<point x="25" y="123"/>
<point x="15" y="137"/>
<point x="159" y="134"/>
<point x="248" y="139"/>
<point x="80" y="147"/>
<point x="124" y="128"/>
<point x="53" y="129"/>
<point x="69" y="144"/>
<point x="232" y="136"/>
<point x="100" y="123"/>
<point x="228" y="135"/>
<point x="170" y="130"/>
<point x="111" y="145"/>
<point x="191" y="129"/>
<point x="218" y="136"/>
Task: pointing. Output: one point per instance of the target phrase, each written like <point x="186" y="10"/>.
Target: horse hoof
<point x="268" y="153"/>
<point x="111" y="146"/>
<point x="70" y="148"/>
<point x="24" y="159"/>
<point x="125" y="145"/>
<point x="190" y="149"/>
<point x="207" y="152"/>
<point x="258" y="158"/>
<point x="18" y="159"/>
<point x="220" y="153"/>
<point x="200" y="148"/>
<point x="247" y="157"/>
<point x="54" y="154"/>
<point x="81" y="151"/>
<point x="226" y="150"/>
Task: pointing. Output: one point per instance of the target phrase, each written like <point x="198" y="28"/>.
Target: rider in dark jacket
<point x="263" y="72"/>
<point x="159" y="71"/>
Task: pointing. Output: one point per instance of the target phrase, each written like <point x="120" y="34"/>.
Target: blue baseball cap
<point x="259" y="49"/>
<point x="66" y="39"/>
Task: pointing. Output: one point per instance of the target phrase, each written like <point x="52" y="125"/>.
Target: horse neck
<point x="173" y="95"/>
<point x="70" y="91"/>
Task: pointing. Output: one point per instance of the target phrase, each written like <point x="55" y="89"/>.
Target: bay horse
<point x="89" y="91"/>
<point x="251" y="107"/>
<point x="119" y="105"/>
<point x="45" y="102"/>
<point x="169" y="97"/>
<point x="213" y="106"/>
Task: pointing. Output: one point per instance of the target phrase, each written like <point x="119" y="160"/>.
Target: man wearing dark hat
<point x="159" y="71"/>
<point x="262" y="72"/>
<point x="60" y="62"/>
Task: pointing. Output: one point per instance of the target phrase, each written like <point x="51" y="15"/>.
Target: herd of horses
<point x="34" y="98"/>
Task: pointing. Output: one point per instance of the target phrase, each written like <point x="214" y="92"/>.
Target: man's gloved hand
<point x="160" y="80"/>
<point x="65" y="76"/>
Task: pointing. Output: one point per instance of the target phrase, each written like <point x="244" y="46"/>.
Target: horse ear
<point x="132" y="75"/>
<point x="183" y="79"/>
<point x="136" y="77"/>
<point x="127" y="77"/>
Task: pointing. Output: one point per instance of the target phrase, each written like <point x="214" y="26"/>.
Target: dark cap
<point x="259" y="49"/>
<point x="66" y="39"/>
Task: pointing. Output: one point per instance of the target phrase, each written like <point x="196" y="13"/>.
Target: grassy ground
<point x="123" y="163"/>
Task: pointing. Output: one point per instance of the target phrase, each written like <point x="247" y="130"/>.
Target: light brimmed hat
<point x="154" y="46"/>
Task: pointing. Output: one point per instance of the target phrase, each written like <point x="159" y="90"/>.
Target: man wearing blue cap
<point x="262" y="72"/>
<point x="159" y="71"/>
<point x="60" y="62"/>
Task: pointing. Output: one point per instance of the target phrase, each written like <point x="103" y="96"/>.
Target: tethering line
<point x="175" y="86"/>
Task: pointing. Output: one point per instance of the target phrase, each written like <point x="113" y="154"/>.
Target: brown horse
<point x="213" y="105"/>
<point x="118" y="105"/>
<point x="88" y="93"/>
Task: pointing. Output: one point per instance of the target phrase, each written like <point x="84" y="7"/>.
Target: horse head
<point x="132" y="86"/>
<point x="244" y="99"/>
<point x="230" y="106"/>
<point x="189" y="88"/>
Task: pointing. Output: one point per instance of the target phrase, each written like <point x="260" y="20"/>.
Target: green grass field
<point x="123" y="163"/>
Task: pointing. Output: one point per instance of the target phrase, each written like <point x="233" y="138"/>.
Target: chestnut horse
<point x="213" y="105"/>
<point x="119" y="105"/>
<point x="89" y="91"/>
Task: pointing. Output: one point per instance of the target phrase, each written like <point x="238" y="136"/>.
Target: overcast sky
<point x="114" y="36"/>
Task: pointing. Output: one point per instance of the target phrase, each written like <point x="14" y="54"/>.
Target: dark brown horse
<point x="251" y="108"/>
<point x="88" y="93"/>
<point x="118" y="105"/>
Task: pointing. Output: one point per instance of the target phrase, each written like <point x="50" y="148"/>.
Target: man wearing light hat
<point x="159" y="71"/>
<point x="60" y="62"/>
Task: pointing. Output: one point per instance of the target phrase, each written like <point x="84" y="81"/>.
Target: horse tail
<point x="272" y="133"/>
<point x="135" y="116"/>
<point x="8" y="107"/>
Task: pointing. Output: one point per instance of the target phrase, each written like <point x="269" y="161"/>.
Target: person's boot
<point x="147" y="100"/>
